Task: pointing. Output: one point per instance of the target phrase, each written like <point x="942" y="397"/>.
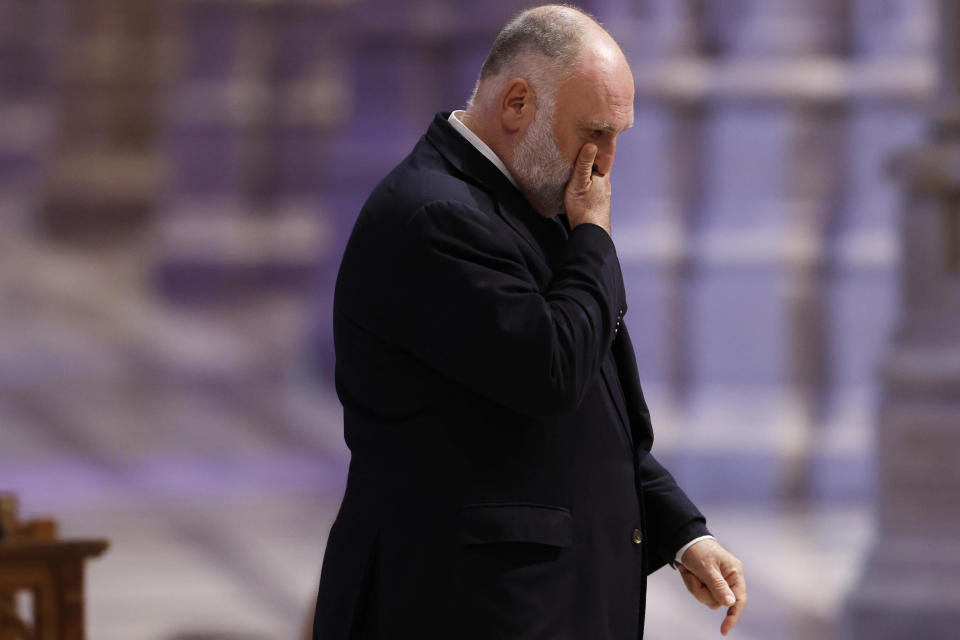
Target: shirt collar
<point x="479" y="144"/>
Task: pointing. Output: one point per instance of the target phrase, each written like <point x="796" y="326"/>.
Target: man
<point x="501" y="484"/>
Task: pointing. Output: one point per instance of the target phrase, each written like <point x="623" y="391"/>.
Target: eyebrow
<point x="605" y="126"/>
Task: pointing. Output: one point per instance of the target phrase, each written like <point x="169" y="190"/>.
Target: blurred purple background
<point x="177" y="181"/>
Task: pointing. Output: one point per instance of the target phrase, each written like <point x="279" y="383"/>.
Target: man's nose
<point x="605" y="154"/>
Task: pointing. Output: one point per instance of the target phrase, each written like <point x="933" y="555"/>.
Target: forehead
<point x="598" y="92"/>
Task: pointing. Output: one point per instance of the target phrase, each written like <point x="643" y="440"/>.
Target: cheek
<point x="570" y="147"/>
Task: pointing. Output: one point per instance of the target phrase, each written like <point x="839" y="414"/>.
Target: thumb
<point x="719" y="588"/>
<point x="584" y="170"/>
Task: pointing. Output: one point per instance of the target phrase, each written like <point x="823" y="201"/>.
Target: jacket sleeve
<point x="469" y="307"/>
<point x="671" y="520"/>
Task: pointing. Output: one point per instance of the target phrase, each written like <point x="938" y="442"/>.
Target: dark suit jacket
<point x="500" y="483"/>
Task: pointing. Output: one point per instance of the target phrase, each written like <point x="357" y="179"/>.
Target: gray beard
<point x="542" y="172"/>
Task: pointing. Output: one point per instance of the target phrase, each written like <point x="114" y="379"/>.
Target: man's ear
<point x="517" y="107"/>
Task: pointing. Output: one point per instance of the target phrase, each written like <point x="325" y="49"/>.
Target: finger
<point x="588" y="153"/>
<point x="739" y="585"/>
<point x="703" y="595"/>
<point x="719" y="588"/>
<point x="693" y="584"/>
<point x="698" y="589"/>
<point x="732" y="617"/>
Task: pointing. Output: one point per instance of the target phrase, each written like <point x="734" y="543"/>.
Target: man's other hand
<point x="715" y="578"/>
<point x="587" y="198"/>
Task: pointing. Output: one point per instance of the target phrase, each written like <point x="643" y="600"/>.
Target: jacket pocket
<point x="516" y="522"/>
<point x="514" y="578"/>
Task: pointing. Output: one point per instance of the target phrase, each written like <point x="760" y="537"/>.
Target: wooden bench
<point x="34" y="561"/>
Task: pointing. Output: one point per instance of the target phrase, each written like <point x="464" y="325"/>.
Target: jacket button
<point x="637" y="536"/>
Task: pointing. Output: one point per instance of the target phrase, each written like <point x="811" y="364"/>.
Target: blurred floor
<point x="246" y="566"/>
<point x="234" y="560"/>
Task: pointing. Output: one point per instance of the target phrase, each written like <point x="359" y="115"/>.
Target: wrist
<point x="678" y="557"/>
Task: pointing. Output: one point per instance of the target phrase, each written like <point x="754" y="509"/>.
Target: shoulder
<point x="421" y="222"/>
<point x="425" y="180"/>
<point x="422" y="205"/>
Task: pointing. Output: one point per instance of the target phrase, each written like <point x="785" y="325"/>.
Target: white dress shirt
<point x="479" y="144"/>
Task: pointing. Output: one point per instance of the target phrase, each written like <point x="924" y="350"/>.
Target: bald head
<point x="540" y="45"/>
<point x="554" y="80"/>
<point x="552" y="32"/>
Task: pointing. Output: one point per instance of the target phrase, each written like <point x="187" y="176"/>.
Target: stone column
<point x="910" y="586"/>
<point x="890" y="74"/>
<point x="27" y="35"/>
<point x="102" y="178"/>
<point x="255" y="88"/>
<point x="771" y="147"/>
<point x="654" y="186"/>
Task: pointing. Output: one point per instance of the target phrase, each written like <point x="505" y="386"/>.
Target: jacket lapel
<point x="474" y="168"/>
<point x="631" y="396"/>
<point x="608" y="370"/>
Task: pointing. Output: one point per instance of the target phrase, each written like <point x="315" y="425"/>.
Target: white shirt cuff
<point x="683" y="549"/>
